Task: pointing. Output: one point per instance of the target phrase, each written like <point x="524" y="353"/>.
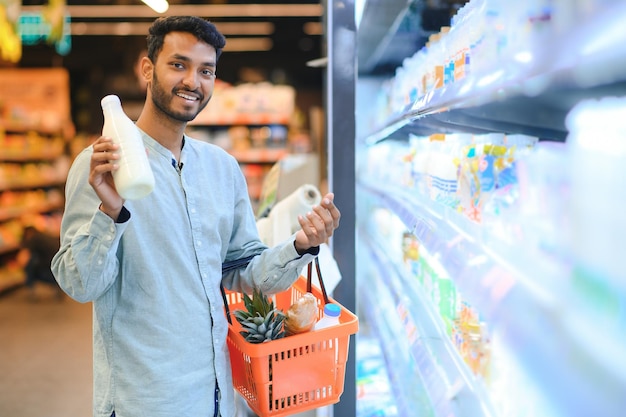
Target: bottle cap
<point x="332" y="310"/>
<point x="110" y="99"/>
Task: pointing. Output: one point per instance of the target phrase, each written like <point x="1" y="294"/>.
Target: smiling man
<point x="153" y="267"/>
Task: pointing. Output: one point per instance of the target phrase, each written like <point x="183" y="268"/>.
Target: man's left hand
<point x="318" y="225"/>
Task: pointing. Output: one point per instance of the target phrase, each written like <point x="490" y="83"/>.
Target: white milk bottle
<point x="133" y="179"/>
<point x="330" y="317"/>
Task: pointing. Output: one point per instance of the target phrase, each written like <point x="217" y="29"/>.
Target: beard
<point x="161" y="100"/>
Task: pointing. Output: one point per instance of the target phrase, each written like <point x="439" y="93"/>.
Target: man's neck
<point x="168" y="133"/>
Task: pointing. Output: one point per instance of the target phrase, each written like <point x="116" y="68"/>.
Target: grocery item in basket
<point x="330" y="317"/>
<point x="261" y="321"/>
<point x="302" y="315"/>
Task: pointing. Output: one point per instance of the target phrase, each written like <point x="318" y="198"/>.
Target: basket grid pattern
<point x="296" y="373"/>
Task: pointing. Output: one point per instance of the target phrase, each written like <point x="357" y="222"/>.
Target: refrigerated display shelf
<point x="526" y="298"/>
<point x="381" y="317"/>
<point x="529" y="92"/>
<point x="484" y="267"/>
<point x="451" y="387"/>
<point x="375" y="392"/>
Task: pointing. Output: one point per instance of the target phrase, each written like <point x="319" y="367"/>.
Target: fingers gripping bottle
<point x="133" y="179"/>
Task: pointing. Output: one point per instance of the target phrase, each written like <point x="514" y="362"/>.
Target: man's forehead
<point x="183" y="44"/>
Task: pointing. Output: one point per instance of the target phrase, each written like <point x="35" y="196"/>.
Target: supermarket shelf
<point x="525" y="297"/>
<point x="31" y="156"/>
<point x="8" y="248"/>
<point x="24" y="126"/>
<point x="17" y="211"/>
<point x="451" y="388"/>
<point x="530" y="99"/>
<point x="260" y="155"/>
<point x="19" y="184"/>
<point x="10" y="280"/>
<point x="243" y="119"/>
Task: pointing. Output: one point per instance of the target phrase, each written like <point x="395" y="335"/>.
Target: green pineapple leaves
<point x="261" y="322"/>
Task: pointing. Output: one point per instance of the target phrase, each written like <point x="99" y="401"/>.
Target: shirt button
<point x="193" y="210"/>
<point x="199" y="243"/>
<point x="99" y="261"/>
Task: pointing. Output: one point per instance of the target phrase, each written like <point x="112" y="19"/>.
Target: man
<point x="153" y="267"/>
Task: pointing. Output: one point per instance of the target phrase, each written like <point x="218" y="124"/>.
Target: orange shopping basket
<point x="296" y="373"/>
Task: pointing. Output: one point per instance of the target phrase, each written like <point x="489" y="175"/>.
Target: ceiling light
<point x="248" y="44"/>
<point x="159" y="6"/>
<point x="313" y="28"/>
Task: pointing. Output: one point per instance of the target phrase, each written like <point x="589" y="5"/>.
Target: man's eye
<point x="209" y="73"/>
<point x="177" y="65"/>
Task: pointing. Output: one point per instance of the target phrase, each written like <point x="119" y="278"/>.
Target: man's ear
<point x="147" y="69"/>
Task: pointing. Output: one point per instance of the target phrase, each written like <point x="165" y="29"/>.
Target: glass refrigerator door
<point x="489" y="232"/>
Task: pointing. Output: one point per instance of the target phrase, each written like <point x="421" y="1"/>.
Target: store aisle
<point x="45" y="355"/>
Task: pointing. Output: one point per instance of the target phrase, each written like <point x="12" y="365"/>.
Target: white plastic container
<point x="134" y="178"/>
<point x="330" y="317"/>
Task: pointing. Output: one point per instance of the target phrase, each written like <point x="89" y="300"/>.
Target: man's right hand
<point x="103" y="163"/>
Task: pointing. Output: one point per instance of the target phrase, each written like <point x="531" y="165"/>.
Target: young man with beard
<point x="153" y="267"/>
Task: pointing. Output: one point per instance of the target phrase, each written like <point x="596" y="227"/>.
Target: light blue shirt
<point x="159" y="328"/>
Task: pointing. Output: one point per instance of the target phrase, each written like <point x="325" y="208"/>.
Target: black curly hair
<point x="200" y="28"/>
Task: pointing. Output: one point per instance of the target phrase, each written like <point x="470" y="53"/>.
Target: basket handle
<point x="319" y="276"/>
<point x="227" y="267"/>
<point x="309" y="283"/>
<point x="230" y="321"/>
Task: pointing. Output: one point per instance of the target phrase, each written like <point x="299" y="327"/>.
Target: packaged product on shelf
<point x="441" y="171"/>
<point x="544" y="189"/>
<point x="439" y="288"/>
<point x="444" y="166"/>
<point x="446" y="299"/>
<point x="410" y="253"/>
<point x="471" y="338"/>
<point x="477" y="174"/>
<point x="463" y="23"/>
<point x="499" y="212"/>
<point x="434" y="68"/>
<point x="420" y="149"/>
